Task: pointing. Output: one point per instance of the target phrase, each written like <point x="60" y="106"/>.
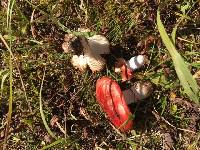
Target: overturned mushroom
<point x="114" y="102"/>
<point x="92" y="56"/>
<point x="99" y="44"/>
<point x="139" y="91"/>
<point x="90" y="53"/>
<point x="111" y="100"/>
<point x="137" y="62"/>
<point x="127" y="67"/>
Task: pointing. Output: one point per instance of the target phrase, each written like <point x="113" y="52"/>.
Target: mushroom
<point x="127" y="67"/>
<point x="92" y="48"/>
<point x="99" y="44"/>
<point x="92" y="55"/>
<point x="137" y="62"/>
<point x="114" y="102"/>
<point x="79" y="62"/>
<point x="139" y="91"/>
<point x="122" y="67"/>
<point x="111" y="100"/>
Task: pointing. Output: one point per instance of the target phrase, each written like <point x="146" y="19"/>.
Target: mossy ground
<point x="167" y="120"/>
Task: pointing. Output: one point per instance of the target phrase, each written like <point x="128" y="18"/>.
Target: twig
<point x="158" y="117"/>
<point x="32" y="26"/>
<point x="61" y="129"/>
<point x="117" y="131"/>
<point x="181" y="39"/>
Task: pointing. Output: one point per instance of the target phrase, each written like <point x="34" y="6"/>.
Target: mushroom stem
<point x="137" y="62"/>
<point x="127" y="67"/>
<point x="94" y="60"/>
<point x="139" y="91"/>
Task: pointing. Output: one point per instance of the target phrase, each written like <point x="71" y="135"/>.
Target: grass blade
<point x="53" y="144"/>
<point x="174" y="34"/>
<point x="187" y="81"/>
<point x="2" y="82"/>
<point x="8" y="13"/>
<point x="197" y="65"/>
<point x="41" y="110"/>
<point x="9" y="18"/>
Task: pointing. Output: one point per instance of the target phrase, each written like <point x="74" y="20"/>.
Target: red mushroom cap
<point x="111" y="99"/>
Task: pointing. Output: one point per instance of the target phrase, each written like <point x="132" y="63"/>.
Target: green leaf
<point x="163" y="102"/>
<point x="173" y="109"/>
<point x="185" y="7"/>
<point x="187" y="81"/>
<point x="197" y="64"/>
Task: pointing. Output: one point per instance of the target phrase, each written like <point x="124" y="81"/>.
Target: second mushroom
<point x="92" y="48"/>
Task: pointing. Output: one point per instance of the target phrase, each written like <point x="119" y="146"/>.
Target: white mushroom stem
<point x="94" y="60"/>
<point x="136" y="62"/>
<point x="140" y="91"/>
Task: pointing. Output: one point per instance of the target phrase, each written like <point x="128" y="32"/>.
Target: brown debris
<point x="167" y="141"/>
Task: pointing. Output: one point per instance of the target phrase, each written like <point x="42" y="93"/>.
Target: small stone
<point x="65" y="47"/>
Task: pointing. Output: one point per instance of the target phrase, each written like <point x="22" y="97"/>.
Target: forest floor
<point x="34" y="32"/>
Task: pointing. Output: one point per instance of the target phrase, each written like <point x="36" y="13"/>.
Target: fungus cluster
<point x="114" y="102"/>
<point x="91" y="50"/>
